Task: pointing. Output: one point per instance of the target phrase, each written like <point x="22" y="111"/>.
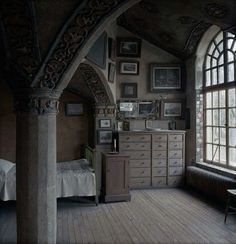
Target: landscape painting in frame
<point x="165" y="77"/>
<point x="172" y="109"/>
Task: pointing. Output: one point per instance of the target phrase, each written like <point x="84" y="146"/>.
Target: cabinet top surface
<point x="151" y="132"/>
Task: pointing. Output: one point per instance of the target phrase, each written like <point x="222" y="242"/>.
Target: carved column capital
<point x="38" y="102"/>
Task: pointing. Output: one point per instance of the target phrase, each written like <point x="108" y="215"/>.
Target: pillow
<point x="5" y="165"/>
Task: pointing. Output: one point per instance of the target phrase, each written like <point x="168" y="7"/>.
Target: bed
<point x="74" y="178"/>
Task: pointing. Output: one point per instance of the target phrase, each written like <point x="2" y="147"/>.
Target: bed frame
<point x="90" y="154"/>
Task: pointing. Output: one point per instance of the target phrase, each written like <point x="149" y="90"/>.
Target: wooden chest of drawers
<point x="156" y="158"/>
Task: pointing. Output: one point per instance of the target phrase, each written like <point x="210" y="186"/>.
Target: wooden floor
<point x="152" y="216"/>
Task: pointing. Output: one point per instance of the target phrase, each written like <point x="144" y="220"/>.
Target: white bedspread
<point x="74" y="178"/>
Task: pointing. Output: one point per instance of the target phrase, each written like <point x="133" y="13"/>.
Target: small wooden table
<point x="115" y="177"/>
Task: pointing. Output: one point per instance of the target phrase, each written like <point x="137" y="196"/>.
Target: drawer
<point x="140" y="172"/>
<point x="175" y="171"/>
<point x="139" y="182"/>
<point x="159" y="171"/>
<point x="134" y="138"/>
<point x="159" y="145"/>
<point x="175" y="145"/>
<point x="174" y="181"/>
<point x="175" y="137"/>
<point x="176" y="162"/>
<point x="159" y="137"/>
<point x="159" y="181"/>
<point x="159" y="154"/>
<point x="140" y="163"/>
<point x="137" y="154"/>
<point x="134" y="146"/>
<point x="175" y="154"/>
<point x="159" y="162"/>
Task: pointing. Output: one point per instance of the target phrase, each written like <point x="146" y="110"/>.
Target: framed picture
<point x="171" y="109"/>
<point x="129" y="90"/>
<point x="97" y="53"/>
<point x="111" y="72"/>
<point x="104" y="136"/>
<point x="105" y="123"/>
<point x="129" y="67"/>
<point x="111" y="49"/>
<point x="148" y="109"/>
<point x="128" y="47"/>
<point x="74" y="109"/>
<point x="165" y="77"/>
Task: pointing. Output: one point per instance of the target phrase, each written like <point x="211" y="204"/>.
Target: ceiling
<point x="177" y="25"/>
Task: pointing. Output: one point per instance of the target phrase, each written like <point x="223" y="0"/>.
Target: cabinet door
<point x="117" y="173"/>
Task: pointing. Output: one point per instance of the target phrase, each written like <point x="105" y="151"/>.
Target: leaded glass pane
<point x="209" y="135"/>
<point x="215" y="100"/>
<point x="221" y="75"/>
<point x="209" y="152"/>
<point x="232" y="117"/>
<point x="222" y="98"/>
<point x="212" y="47"/>
<point x="222" y="117"/>
<point x="231" y="97"/>
<point x="209" y="117"/>
<point x="223" y="155"/>
<point x="232" y="157"/>
<point x="219" y="37"/>
<point x="222" y="136"/>
<point x="208" y="78"/>
<point x="208" y="100"/>
<point x="221" y="59"/>
<point x="215" y="133"/>
<point x="231" y="72"/>
<point x="216" y="155"/>
<point x="232" y="137"/>
<point x="208" y="62"/>
<point x="229" y="43"/>
<point x="214" y="62"/>
<point x="214" y="76"/>
<point x="230" y="56"/>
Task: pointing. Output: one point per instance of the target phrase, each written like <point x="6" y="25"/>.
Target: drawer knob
<point x="142" y="154"/>
<point x="176" y="162"/>
<point x="127" y="146"/>
<point x="142" y="163"/>
<point x="175" y="145"/>
<point x="142" y="138"/>
<point x="159" y="162"/>
<point x="143" y="146"/>
<point x="175" y="153"/>
<point x="175" y="137"/>
<point x="127" y="138"/>
<point x="159" y="145"/>
<point x="142" y="172"/>
<point x="159" y="154"/>
<point x="142" y="182"/>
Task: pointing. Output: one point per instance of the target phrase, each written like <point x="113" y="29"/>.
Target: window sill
<point x="217" y="169"/>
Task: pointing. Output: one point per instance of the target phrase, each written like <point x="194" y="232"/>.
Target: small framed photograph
<point x="129" y="67"/>
<point x="149" y="109"/>
<point x="172" y="109"/>
<point x="111" y="72"/>
<point x="104" y="136"/>
<point x="105" y="123"/>
<point x="129" y="90"/>
<point x="74" y="109"/>
<point x="128" y="47"/>
<point x="165" y="77"/>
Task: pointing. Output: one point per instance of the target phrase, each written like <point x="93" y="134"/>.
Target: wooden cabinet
<point x="115" y="184"/>
<point x="156" y="158"/>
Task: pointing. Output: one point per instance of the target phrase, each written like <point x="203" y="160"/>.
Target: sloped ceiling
<point x="177" y="25"/>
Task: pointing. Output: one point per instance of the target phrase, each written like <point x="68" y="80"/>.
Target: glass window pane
<point x="209" y="117"/>
<point x="223" y="155"/>
<point x="232" y="117"/>
<point x="209" y="134"/>
<point x="216" y="54"/>
<point x="231" y="72"/>
<point x="230" y="42"/>
<point x="209" y="152"/>
<point x="215" y="131"/>
<point x="208" y="78"/>
<point x="232" y="157"/>
<point x="220" y="47"/>
<point x="208" y="62"/>
<point x="222" y="117"/>
<point x="222" y="98"/>
<point x="230" y="34"/>
<point x="232" y="137"/>
<point x="234" y="47"/>
<point x="216" y="154"/>
<point x="208" y="100"/>
<point x="221" y="59"/>
<point x="214" y="76"/>
<point x="231" y="97"/>
<point x="222" y="136"/>
<point x="215" y="118"/>
<point x="211" y="48"/>
<point x="221" y="75"/>
<point x="230" y="56"/>
<point x="214" y="62"/>
<point x="215" y="99"/>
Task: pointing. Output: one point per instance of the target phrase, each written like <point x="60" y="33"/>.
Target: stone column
<point x="36" y="166"/>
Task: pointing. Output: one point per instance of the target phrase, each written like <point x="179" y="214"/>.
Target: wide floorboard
<point x="152" y="216"/>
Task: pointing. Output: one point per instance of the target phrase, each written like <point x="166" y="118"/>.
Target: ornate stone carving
<point x="216" y="10"/>
<point x="194" y="38"/>
<point x="39" y="106"/>
<point x="77" y="31"/>
<point x="105" y="111"/>
<point x="94" y="83"/>
<point x="19" y="31"/>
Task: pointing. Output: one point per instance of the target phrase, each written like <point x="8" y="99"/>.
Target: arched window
<point x="219" y="99"/>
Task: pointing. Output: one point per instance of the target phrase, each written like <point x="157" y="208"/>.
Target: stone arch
<point x="97" y="84"/>
<point x="75" y="39"/>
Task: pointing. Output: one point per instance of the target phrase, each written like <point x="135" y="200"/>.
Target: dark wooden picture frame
<point x="129" y="90"/>
<point x="172" y="109"/>
<point x="165" y="77"/>
<point x="111" y="72"/>
<point x="74" y="109"/>
<point x="105" y="123"/>
<point x="104" y="136"/>
<point x="149" y="109"/>
<point x="128" y="47"/>
<point x="129" y="67"/>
